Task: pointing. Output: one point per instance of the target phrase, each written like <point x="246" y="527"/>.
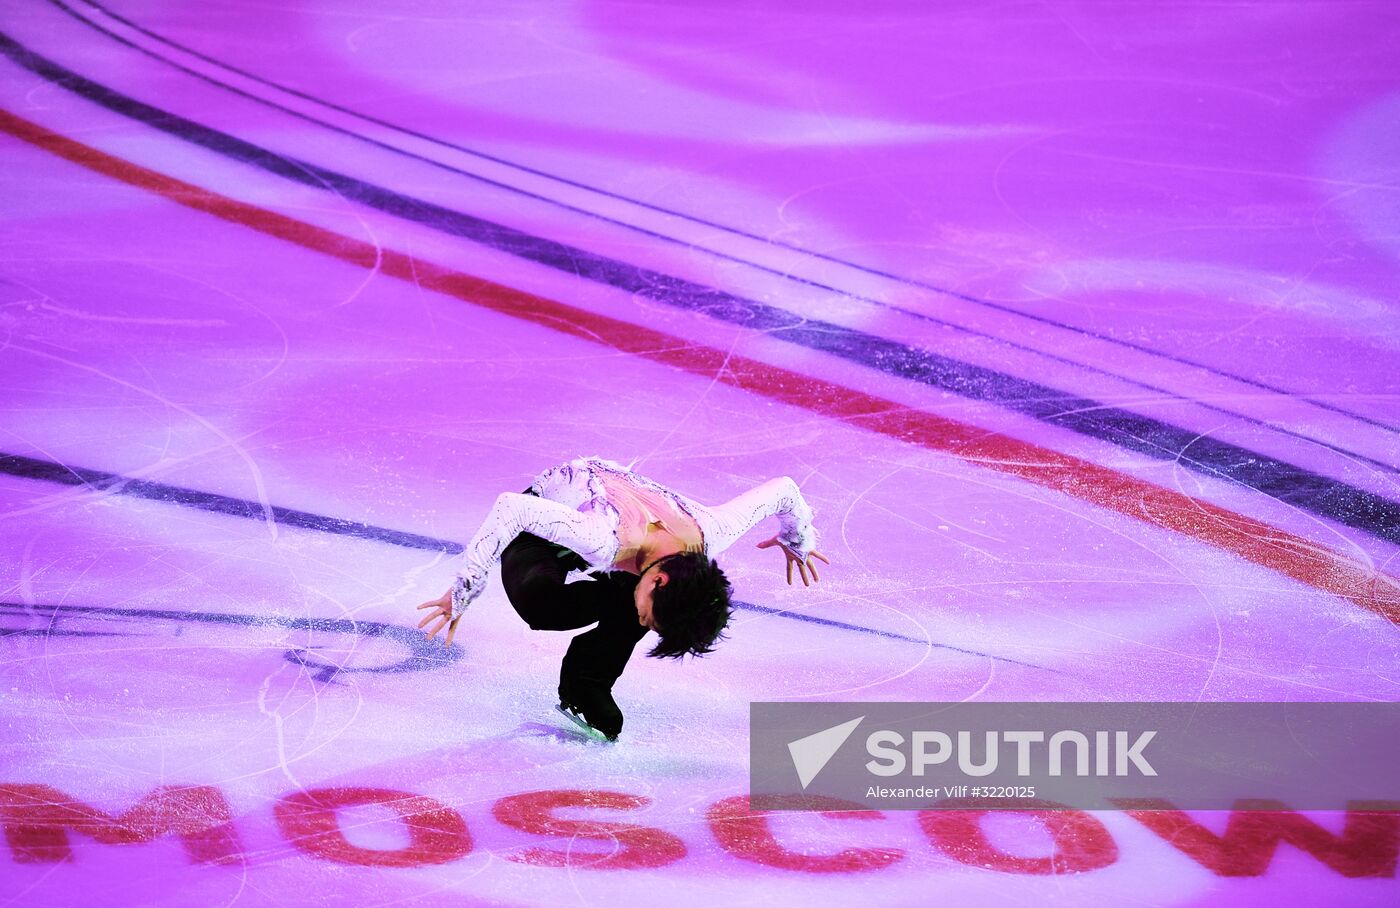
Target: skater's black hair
<point x="692" y="608"/>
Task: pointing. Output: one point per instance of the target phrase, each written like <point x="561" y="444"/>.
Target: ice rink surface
<point x="1075" y="321"/>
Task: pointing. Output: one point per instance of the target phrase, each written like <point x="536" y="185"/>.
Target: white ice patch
<point x="1224" y="285"/>
<point x="554" y="69"/>
<point x="1361" y="161"/>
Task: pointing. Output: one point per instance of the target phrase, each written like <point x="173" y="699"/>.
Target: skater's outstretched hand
<point x="441" y="615"/>
<point x="803" y="567"/>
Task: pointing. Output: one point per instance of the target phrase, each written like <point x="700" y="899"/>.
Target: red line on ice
<point x="1290" y="555"/>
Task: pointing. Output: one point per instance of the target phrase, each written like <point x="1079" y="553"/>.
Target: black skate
<point x="576" y="717"/>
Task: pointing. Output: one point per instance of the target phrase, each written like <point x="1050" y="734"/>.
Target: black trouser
<point x="533" y="572"/>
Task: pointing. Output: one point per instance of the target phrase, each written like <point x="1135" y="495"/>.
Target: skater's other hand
<point x="441" y="615"/>
<point x="803" y="567"/>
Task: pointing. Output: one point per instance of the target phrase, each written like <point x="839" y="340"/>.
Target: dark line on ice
<point x="922" y="641"/>
<point x="724" y="228"/>
<point x="423" y="654"/>
<point x="102" y="481"/>
<point x="1285" y="482"/>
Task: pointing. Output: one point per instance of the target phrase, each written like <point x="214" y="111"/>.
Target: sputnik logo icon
<point x="811" y="754"/>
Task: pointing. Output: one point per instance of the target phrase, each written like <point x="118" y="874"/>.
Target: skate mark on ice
<point x="423" y="655"/>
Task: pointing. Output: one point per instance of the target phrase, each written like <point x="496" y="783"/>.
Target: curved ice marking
<point x="133" y="319"/>
<point x="254" y="471"/>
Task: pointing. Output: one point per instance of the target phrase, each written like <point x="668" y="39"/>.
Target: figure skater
<point x="646" y="554"/>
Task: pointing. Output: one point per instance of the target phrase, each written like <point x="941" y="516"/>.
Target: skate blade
<point x="592" y="733"/>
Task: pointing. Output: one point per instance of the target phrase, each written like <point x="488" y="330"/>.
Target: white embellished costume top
<point x="572" y="507"/>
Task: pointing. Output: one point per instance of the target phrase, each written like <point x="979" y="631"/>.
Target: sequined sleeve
<point x="593" y="535"/>
<point x="724" y="524"/>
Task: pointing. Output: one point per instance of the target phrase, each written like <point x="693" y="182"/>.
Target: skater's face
<point x="651" y="578"/>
